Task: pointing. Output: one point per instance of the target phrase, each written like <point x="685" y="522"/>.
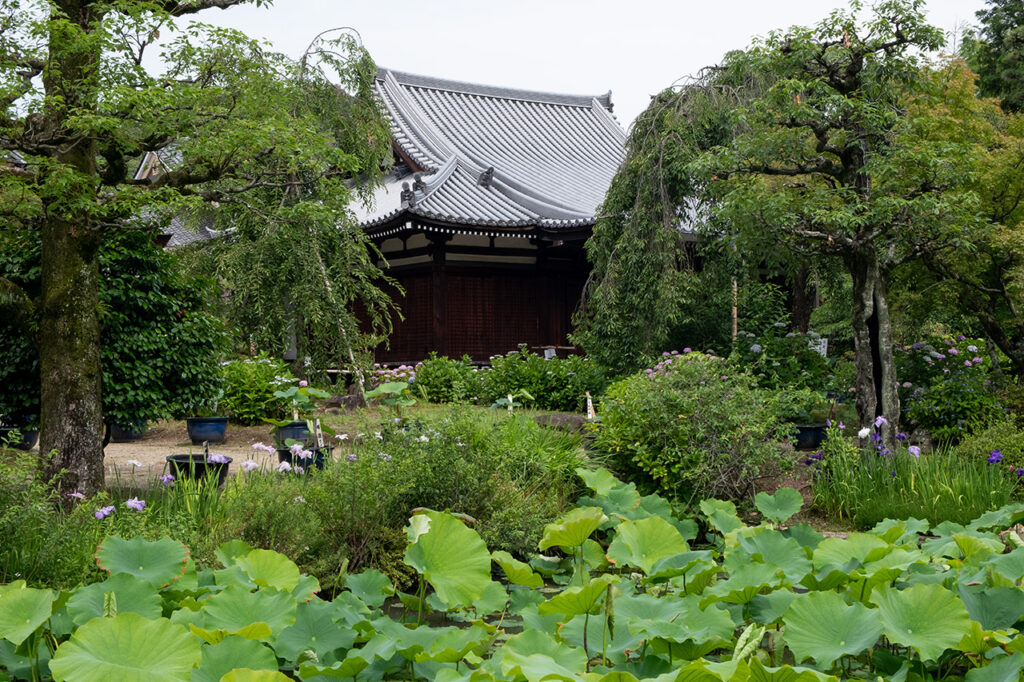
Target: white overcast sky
<point x="633" y="48"/>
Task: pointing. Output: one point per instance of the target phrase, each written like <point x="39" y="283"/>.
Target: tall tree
<point x="820" y="156"/>
<point x="986" y="282"/>
<point x="997" y="52"/>
<point x="79" y="110"/>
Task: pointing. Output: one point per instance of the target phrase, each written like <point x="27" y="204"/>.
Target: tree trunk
<point x="71" y="408"/>
<point x="69" y="358"/>
<point x="873" y="356"/>
<point x="803" y="303"/>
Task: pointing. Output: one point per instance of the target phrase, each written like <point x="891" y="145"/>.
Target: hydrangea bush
<point x="946" y="387"/>
<point x="781" y="359"/>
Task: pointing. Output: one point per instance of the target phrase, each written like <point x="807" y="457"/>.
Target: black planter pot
<point x="809" y="436"/>
<point x="27" y="440"/>
<point x="294" y="430"/>
<point x="129" y="435"/>
<point x="198" y="467"/>
<point x="207" y="429"/>
<point x="319" y="458"/>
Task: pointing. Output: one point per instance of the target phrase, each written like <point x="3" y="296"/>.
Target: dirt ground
<point x="171" y="438"/>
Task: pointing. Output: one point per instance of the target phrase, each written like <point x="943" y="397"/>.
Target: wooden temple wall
<point x="487" y="311"/>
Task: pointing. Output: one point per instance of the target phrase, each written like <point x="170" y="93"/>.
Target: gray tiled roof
<point x="184" y="230"/>
<point x="549" y="157"/>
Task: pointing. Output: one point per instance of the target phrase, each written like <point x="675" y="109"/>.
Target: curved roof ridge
<point x="418" y="128"/>
<point x="419" y="81"/>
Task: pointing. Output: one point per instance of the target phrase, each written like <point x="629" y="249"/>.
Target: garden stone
<point x="573" y="423"/>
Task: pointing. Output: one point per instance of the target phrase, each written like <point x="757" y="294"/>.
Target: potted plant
<point x="297" y="454"/>
<point x="301" y="398"/>
<point x="206" y="427"/>
<point x="200" y="466"/>
<point x="808" y="411"/>
<point x="128" y="434"/>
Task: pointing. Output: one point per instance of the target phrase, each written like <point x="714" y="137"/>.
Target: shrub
<point x="160" y="341"/>
<point x="949" y="391"/>
<point x="777" y="359"/>
<point x="508" y="473"/>
<point x="555" y="384"/>
<point x="443" y="380"/>
<point x="249" y="387"/>
<point x="1002" y="436"/>
<point x="383" y="375"/>
<point x="690" y="428"/>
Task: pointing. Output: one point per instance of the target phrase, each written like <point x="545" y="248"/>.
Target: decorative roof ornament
<point x="408" y="197"/>
<point x="485" y="178"/>
<point x="418" y="185"/>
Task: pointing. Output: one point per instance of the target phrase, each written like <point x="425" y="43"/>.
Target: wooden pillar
<point x="439" y="292"/>
<point x="546" y="327"/>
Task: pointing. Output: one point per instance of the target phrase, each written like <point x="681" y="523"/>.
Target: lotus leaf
<point x="516" y="571"/>
<point x="773" y="548"/>
<point x="721" y="515"/>
<point x="577" y="601"/>
<point x="744" y="583"/>
<point x="573" y="528"/>
<point x="768" y="608"/>
<point x="235" y="608"/>
<point x="779" y="507"/>
<point x="681" y="564"/>
<point x="1001" y="669"/>
<point x="535" y="668"/>
<point x="534" y="641"/>
<point x="904" y="531"/>
<point x="127" y="648"/>
<point x="452" y="646"/>
<point x="860" y="547"/>
<point x="822" y="626"/>
<point x="1010" y="566"/>
<point x="1003" y="517"/>
<point x="158" y="562"/>
<point x="314" y="629"/>
<point x="230" y="654"/>
<point x="644" y="542"/>
<point x="995" y="608"/>
<point x="929" y="618"/>
<point x="351" y="666"/>
<point x="690" y="623"/>
<point x="22" y="610"/>
<point x="805" y="535"/>
<point x="267" y="568"/>
<point x="231" y="550"/>
<point x="371" y="586"/>
<point x="259" y="631"/>
<point x="493" y="600"/>
<point x="449" y="556"/>
<point x="131" y="594"/>
<point x="600" y="480"/>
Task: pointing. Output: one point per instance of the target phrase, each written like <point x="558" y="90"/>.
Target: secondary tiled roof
<point x="494" y="156"/>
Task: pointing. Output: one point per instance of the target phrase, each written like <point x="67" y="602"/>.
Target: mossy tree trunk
<point x="872" y="335"/>
<point x="71" y="419"/>
<point x="71" y="409"/>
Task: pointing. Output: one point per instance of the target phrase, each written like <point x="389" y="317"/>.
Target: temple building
<point x="483" y="218"/>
